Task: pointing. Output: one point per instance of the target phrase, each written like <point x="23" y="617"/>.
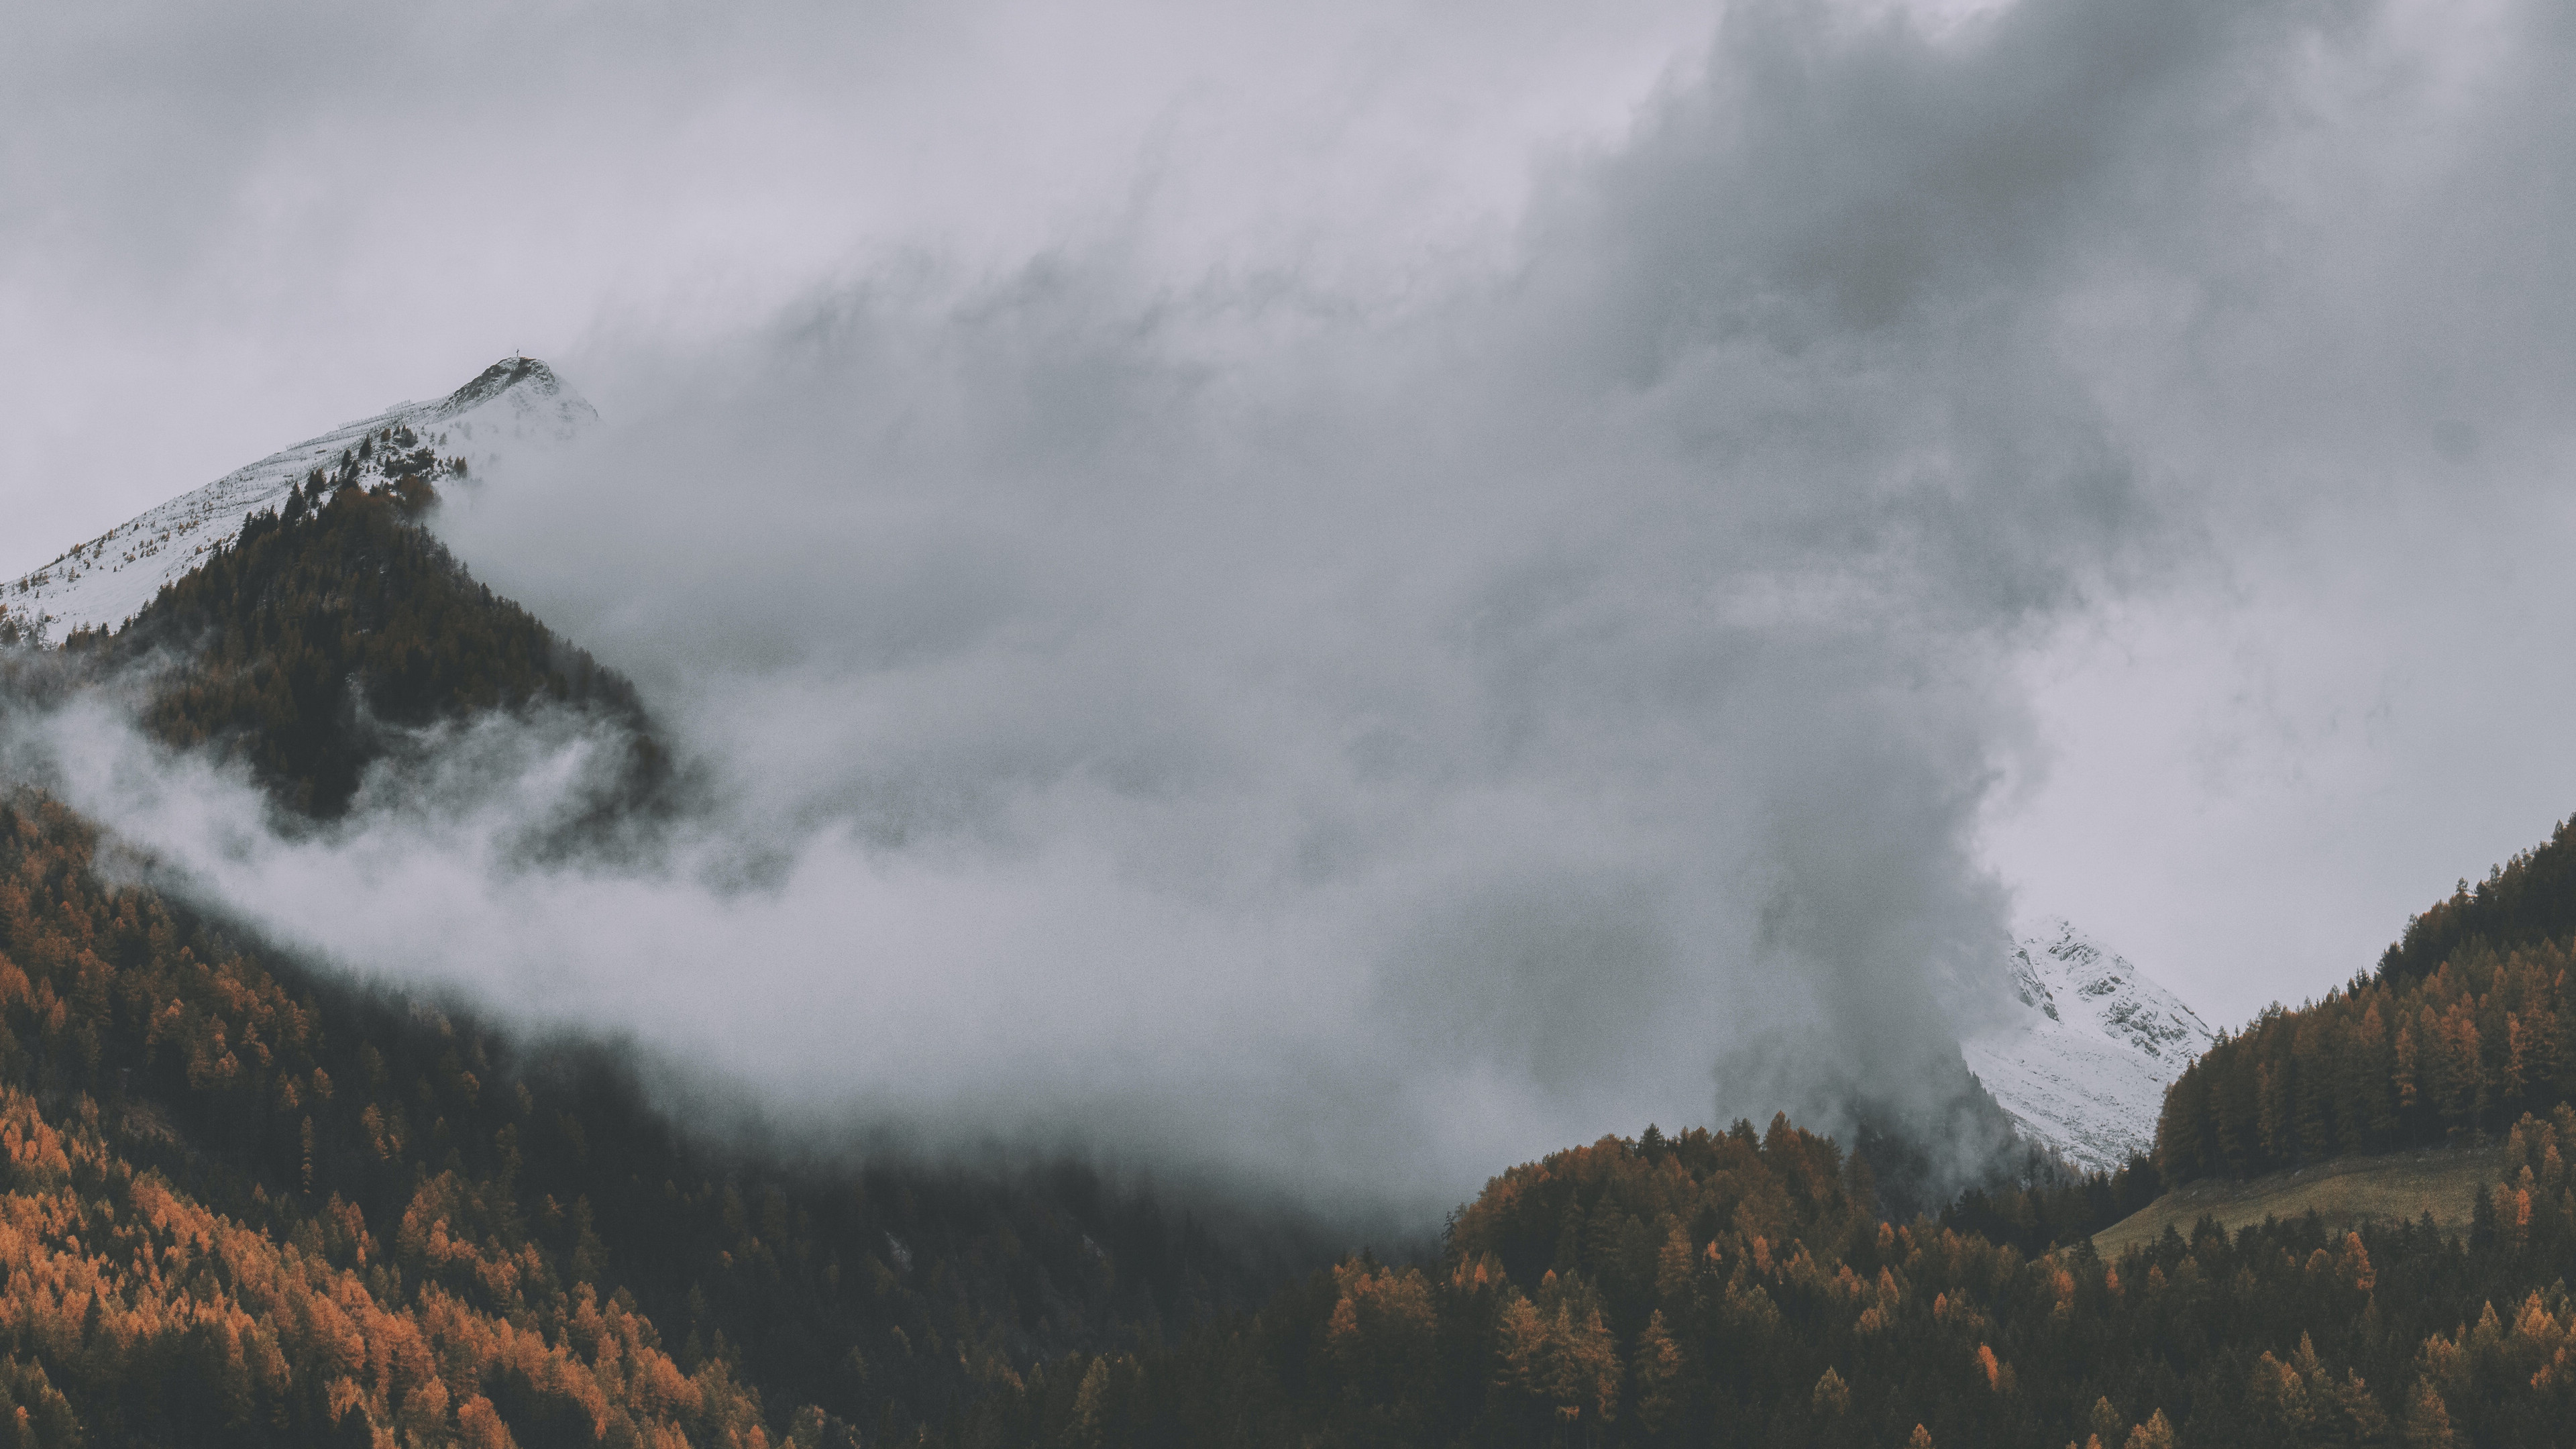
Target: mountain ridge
<point x="513" y="405"/>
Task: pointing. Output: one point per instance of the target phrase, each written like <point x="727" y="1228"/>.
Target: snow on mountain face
<point x="2084" y="1063"/>
<point x="514" y="404"/>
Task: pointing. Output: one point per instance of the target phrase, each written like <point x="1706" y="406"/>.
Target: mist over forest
<point x="1237" y="629"/>
<point x="1223" y="708"/>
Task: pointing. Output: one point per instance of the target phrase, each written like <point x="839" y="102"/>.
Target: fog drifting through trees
<point x="1363" y="733"/>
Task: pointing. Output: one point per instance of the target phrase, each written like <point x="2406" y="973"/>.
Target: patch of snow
<point x="2084" y="1063"/>
<point x="513" y="405"/>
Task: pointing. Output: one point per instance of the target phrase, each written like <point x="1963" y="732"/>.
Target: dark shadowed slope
<point x="318" y="638"/>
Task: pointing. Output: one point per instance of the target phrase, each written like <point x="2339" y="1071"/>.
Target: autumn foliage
<point x="2397" y="1060"/>
<point x="167" y="1323"/>
<point x="246" y="1203"/>
<point x="1732" y="1290"/>
<point x="243" y="1202"/>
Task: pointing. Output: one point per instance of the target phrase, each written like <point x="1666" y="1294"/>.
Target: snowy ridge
<point x="2084" y="1062"/>
<point x="514" y="404"/>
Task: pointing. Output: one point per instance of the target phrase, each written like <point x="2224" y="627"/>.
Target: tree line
<point x="1735" y="1289"/>
<point x="2403" y="1058"/>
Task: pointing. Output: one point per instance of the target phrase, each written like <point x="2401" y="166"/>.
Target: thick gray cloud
<point x="2344" y="705"/>
<point x="220" y="230"/>
<point x="1358" y="629"/>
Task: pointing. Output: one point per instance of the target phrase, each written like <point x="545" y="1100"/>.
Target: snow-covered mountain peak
<point x="2087" y="983"/>
<point x="514" y="406"/>
<point x="519" y="394"/>
<point x="2084" y="1064"/>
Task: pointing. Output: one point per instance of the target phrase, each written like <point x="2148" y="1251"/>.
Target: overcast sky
<point x="1744" y="498"/>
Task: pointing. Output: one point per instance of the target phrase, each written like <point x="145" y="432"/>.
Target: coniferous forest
<point x="1739" y="1289"/>
<point x="2456" y="1035"/>
<point x="248" y="1204"/>
<point x="254" y="1203"/>
<point x="1706" y="724"/>
<point x="335" y="624"/>
<point x="248" y="1201"/>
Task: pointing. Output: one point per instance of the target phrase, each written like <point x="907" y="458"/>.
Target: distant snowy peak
<point x="2084" y="981"/>
<point x="2084" y="1064"/>
<point x="517" y="404"/>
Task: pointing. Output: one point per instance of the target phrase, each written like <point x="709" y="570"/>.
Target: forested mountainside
<point x="244" y="1203"/>
<point x="1730" y="1289"/>
<point x="2464" y="1027"/>
<point x="330" y="627"/>
<point x="2380" y="1064"/>
<point x="247" y="1202"/>
<point x="2531" y="897"/>
<point x="256" y="1203"/>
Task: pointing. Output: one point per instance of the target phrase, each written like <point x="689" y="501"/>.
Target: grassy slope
<point x="2400" y="1185"/>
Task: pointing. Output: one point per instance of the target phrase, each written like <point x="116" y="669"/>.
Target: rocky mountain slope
<point x="515" y="403"/>
<point x="2083" y="1064"/>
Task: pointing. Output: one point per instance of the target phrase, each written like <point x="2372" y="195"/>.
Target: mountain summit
<point x="2083" y="1063"/>
<point x="532" y="402"/>
<point x="515" y="404"/>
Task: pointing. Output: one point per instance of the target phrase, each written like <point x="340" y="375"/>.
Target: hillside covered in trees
<point x="245" y="1203"/>
<point x="1740" y="1290"/>
<point x="327" y="630"/>
<point x="1731" y="1289"/>
<point x="2463" y="1028"/>
<point x="249" y="1202"/>
<point x="2529" y="898"/>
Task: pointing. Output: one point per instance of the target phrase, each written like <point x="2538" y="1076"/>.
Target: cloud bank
<point x="1359" y="718"/>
